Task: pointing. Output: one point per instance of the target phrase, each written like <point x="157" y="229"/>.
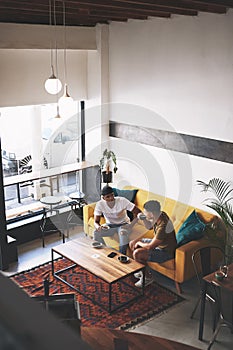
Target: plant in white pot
<point x="222" y="205"/>
<point x="108" y="165"/>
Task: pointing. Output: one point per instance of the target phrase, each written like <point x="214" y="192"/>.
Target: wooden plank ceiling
<point x="91" y="12"/>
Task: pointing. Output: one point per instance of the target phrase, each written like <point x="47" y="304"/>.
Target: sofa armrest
<point x="183" y="259"/>
<point x="88" y="212"/>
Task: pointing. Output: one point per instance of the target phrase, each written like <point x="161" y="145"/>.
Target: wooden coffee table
<point x="96" y="261"/>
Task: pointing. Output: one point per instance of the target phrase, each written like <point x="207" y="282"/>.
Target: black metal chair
<point x="51" y="220"/>
<point x="205" y="261"/>
<point x="65" y="307"/>
<point x="225" y="301"/>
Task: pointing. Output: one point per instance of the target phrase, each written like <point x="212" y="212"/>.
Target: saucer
<point x="123" y="258"/>
<point x="96" y="245"/>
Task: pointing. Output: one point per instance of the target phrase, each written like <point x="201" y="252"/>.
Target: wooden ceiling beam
<point x="80" y="11"/>
<point x="182" y="4"/>
<point x="128" y="6"/>
<point x="226" y="3"/>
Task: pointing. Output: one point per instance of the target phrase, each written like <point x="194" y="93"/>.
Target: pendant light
<point x="66" y="102"/>
<point x="52" y="85"/>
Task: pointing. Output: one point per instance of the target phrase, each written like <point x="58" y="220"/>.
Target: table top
<point x="51" y="200"/>
<point x="96" y="261"/>
<point x="103" y="339"/>
<point x="226" y="282"/>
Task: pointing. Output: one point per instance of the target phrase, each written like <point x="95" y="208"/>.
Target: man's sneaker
<point x="138" y="274"/>
<point x="148" y="280"/>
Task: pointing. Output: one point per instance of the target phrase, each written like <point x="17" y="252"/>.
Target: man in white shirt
<point x="114" y="210"/>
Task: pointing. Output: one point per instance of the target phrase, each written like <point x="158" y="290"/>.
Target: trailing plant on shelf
<point x="222" y="205"/>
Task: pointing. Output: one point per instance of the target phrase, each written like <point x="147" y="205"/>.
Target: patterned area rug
<point x="156" y="299"/>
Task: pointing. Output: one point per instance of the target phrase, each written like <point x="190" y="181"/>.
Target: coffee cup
<point x="219" y="275"/>
<point x="141" y="216"/>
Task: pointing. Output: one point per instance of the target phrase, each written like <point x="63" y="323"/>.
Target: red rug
<point x="156" y="298"/>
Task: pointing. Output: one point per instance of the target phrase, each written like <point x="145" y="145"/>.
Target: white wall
<point x="25" y="61"/>
<point x="27" y="36"/>
<point x="181" y="71"/>
<point x="23" y="74"/>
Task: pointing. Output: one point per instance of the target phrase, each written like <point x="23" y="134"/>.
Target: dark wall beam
<point x="194" y="145"/>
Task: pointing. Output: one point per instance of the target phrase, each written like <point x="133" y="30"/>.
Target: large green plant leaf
<point x="222" y="190"/>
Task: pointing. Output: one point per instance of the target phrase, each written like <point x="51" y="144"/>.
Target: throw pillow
<point x="192" y="229"/>
<point x="129" y="194"/>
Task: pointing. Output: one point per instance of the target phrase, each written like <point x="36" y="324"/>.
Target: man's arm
<point x="97" y="222"/>
<point x="135" y="212"/>
<point x="153" y="244"/>
<point x="160" y="232"/>
<point x="147" y="224"/>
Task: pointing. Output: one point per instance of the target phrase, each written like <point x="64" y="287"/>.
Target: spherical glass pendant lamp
<point x="53" y="85"/>
<point x="66" y="103"/>
<point x="66" y="99"/>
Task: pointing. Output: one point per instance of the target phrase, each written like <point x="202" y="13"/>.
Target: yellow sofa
<point x="180" y="268"/>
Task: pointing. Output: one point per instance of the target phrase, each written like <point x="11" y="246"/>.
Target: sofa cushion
<point x="192" y="229"/>
<point x="128" y="194"/>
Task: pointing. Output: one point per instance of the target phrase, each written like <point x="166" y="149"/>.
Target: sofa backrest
<point x="177" y="211"/>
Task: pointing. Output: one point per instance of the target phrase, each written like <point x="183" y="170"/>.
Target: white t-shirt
<point x="117" y="214"/>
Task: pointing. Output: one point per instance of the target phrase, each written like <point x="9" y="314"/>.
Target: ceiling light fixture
<point x="53" y="85"/>
<point x="66" y="103"/>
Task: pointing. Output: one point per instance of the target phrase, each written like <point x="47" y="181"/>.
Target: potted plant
<point x="107" y="163"/>
<point x="222" y="204"/>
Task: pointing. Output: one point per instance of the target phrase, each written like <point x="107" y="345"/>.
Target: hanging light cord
<point x="51" y="36"/>
<point x="55" y="35"/>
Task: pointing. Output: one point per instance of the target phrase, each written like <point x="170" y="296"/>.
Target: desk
<point x="103" y="339"/>
<point x="226" y="283"/>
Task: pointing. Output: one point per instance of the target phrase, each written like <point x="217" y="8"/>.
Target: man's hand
<point x="133" y="243"/>
<point x="98" y="228"/>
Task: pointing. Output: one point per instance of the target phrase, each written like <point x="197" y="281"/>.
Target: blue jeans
<point x="123" y="238"/>
<point x="157" y="254"/>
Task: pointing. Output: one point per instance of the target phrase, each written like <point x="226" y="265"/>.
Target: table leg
<point x="110" y="297"/>
<point x="202" y="312"/>
<point x="143" y="280"/>
<point x="52" y="262"/>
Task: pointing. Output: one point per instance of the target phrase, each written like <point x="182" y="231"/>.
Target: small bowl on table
<point x="96" y="244"/>
<point x="123" y="259"/>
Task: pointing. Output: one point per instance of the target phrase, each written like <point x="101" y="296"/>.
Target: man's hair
<point x="152" y="206"/>
<point x="106" y="190"/>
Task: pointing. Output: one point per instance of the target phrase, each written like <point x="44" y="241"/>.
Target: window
<point x="33" y="140"/>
